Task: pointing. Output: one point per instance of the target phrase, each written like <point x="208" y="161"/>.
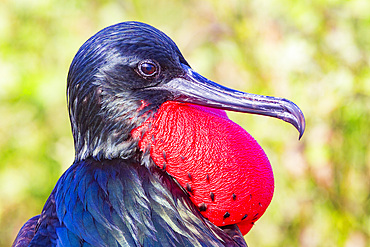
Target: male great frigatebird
<point x="157" y="161"/>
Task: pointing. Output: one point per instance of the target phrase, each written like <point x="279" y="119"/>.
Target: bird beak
<point x="196" y="89"/>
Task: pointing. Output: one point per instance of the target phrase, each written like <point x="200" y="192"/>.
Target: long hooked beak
<point x="196" y="89"/>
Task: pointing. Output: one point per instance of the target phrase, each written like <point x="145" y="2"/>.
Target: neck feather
<point x="102" y="124"/>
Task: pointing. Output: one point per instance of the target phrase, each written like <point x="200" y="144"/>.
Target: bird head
<point x="124" y="73"/>
<point x="114" y="84"/>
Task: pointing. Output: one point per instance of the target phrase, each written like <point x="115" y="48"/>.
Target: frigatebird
<point x="157" y="161"/>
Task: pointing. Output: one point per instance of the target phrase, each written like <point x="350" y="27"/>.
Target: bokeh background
<point x="315" y="53"/>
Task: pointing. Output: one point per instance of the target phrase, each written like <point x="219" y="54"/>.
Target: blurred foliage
<point x="316" y="53"/>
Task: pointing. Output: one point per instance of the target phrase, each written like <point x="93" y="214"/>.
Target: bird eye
<point x="148" y="68"/>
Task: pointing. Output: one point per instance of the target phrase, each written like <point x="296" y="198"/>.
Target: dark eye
<point x="148" y="68"/>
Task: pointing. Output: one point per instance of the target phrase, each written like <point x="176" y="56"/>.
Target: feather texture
<point x="120" y="203"/>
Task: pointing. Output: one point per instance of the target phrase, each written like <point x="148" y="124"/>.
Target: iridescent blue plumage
<point x="122" y="203"/>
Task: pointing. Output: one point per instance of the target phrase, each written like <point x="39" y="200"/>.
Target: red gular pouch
<point x="225" y="171"/>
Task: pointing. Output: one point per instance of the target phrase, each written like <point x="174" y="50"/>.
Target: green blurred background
<point x="315" y="53"/>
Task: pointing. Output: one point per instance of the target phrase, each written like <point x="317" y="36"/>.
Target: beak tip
<point x="301" y="126"/>
<point x="295" y="117"/>
<point x="300" y="135"/>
